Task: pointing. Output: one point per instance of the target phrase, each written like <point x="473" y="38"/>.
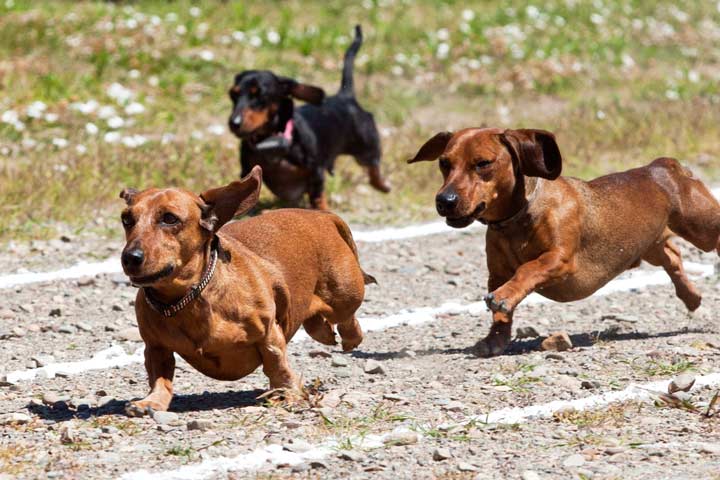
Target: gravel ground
<point x="422" y="382"/>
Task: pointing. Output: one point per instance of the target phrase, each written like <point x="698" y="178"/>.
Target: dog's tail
<point x="346" y="235"/>
<point x="347" y="86"/>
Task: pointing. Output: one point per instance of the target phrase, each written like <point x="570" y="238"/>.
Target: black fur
<point x="338" y="125"/>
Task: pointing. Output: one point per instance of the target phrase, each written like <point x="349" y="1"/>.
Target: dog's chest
<point x="219" y="348"/>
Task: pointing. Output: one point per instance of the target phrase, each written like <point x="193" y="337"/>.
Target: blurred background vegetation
<point x="96" y="96"/>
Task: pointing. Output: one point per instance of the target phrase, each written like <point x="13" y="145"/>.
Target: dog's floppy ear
<point x="536" y="152"/>
<point x="128" y="194"/>
<point x="433" y="148"/>
<point x="302" y="91"/>
<point x="236" y="198"/>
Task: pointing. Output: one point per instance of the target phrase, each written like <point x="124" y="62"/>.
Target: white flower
<point x="443" y="34"/>
<point x="195" y="12"/>
<point x="181" y="30"/>
<point x="119" y="93"/>
<point x="397" y="70"/>
<point x="111" y="137"/>
<point x="91" y="128"/>
<point x="474" y="64"/>
<point x="133" y="141"/>
<point x="135" y="108"/>
<point x="115" y="122"/>
<point x="207" y="55"/>
<point x="134" y="73"/>
<point x="238" y="36"/>
<point x="443" y="50"/>
<point x="60" y="142"/>
<point x="35" y="109"/>
<point x="600" y="115"/>
<point x="154" y="81"/>
<point x="273" y="37"/>
<point x="81" y="149"/>
<point x="85" y="107"/>
<point x="106" y="111"/>
<point x="532" y="11"/>
<point x="216" y="129"/>
<point x="627" y="61"/>
<point x="468" y="15"/>
<point x="672" y="94"/>
<point x="693" y="76"/>
<point x="131" y="23"/>
<point x="597" y="19"/>
<point x="60" y="168"/>
<point x="171" y="17"/>
<point x="51" y="117"/>
<point x="9" y="116"/>
<point x="255" y="41"/>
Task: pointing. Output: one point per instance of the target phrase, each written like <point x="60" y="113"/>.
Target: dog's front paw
<point x="141" y="408"/>
<point x="495" y="304"/>
<point x="492" y="346"/>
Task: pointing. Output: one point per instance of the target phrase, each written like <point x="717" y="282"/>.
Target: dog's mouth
<point x="464" y="221"/>
<point x="148" y="280"/>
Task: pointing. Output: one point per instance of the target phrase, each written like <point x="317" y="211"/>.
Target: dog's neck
<point x="523" y="194"/>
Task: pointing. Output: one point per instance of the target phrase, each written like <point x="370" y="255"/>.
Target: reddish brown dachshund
<point x="559" y="236"/>
<point x="228" y="297"/>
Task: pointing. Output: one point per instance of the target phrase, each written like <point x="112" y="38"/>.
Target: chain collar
<point x="169" y="310"/>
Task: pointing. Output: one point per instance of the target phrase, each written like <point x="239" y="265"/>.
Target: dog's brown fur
<point x="274" y="273"/>
<point x="560" y="236"/>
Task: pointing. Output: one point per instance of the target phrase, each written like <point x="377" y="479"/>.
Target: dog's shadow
<point x="180" y="404"/>
<point x="521" y="347"/>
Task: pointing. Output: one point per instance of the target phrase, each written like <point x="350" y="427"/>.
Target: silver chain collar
<point x="194" y="292"/>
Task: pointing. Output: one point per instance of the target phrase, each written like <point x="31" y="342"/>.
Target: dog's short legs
<point x="160" y="366"/>
<point x="316" y="190"/>
<point x="351" y="333"/>
<point x="551" y="265"/>
<point x="667" y="255"/>
<point x="377" y="181"/>
<point x="320" y="329"/>
<point x="276" y="366"/>
<point x="498" y="338"/>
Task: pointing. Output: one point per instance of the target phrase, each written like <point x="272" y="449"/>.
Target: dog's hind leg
<point x="319" y="329"/>
<point x="667" y="255"/>
<point x="695" y="214"/>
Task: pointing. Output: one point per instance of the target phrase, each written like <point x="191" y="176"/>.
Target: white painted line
<point x="411" y="231"/>
<point x="275" y="455"/>
<point x="112" y="265"/>
<point x="632" y="392"/>
<point x="116" y="356"/>
<point x="80" y="270"/>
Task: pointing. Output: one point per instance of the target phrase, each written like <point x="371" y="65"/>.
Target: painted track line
<point x="115" y="356"/>
<point x="275" y="455"/>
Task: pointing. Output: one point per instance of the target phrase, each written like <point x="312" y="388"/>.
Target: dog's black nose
<point x="132" y="258"/>
<point x="446" y="201"/>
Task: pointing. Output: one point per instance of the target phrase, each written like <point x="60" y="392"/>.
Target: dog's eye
<point x="482" y="164"/>
<point x="444" y="164"/>
<point x="170" y="219"/>
<point x="127" y="221"/>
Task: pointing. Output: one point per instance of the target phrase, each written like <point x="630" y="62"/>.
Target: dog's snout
<point x="446" y="201"/>
<point x="132" y="257"/>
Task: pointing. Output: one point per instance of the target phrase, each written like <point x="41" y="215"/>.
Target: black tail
<point x="347" y="85"/>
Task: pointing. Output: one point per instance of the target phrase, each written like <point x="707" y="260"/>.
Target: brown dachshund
<point x="228" y="297"/>
<point x="559" y="236"/>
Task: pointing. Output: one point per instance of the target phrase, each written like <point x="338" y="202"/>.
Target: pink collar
<point x="288" y="130"/>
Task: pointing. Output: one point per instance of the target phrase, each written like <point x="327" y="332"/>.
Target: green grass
<point x="620" y="85"/>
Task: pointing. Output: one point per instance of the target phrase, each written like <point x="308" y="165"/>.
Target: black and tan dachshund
<point x="295" y="147"/>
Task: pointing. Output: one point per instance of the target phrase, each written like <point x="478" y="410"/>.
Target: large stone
<point x="374" y="367"/>
<point x="682" y="383"/>
<point x="165" y="418"/>
<point x="557" y="342"/>
<point x="400" y="438"/>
